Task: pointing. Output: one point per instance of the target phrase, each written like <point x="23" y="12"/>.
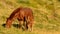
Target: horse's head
<point x="8" y="23"/>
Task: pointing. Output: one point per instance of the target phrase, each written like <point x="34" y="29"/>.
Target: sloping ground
<point x="46" y="15"/>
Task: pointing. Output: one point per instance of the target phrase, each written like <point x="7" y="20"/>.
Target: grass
<point x="44" y="20"/>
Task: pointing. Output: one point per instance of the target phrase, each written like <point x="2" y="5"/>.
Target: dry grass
<point x="46" y="15"/>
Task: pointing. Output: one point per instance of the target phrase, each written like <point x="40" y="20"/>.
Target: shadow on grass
<point x="3" y="25"/>
<point x="14" y="25"/>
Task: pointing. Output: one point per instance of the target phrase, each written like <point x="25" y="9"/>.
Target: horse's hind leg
<point x="29" y="26"/>
<point x="30" y="23"/>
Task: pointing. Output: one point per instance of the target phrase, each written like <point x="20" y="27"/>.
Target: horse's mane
<point x="13" y="13"/>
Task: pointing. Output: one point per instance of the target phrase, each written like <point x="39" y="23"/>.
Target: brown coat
<point x="22" y="14"/>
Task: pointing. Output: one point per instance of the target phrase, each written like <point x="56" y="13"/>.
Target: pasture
<point x="46" y="16"/>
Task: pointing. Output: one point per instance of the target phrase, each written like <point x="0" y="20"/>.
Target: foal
<point x="21" y="14"/>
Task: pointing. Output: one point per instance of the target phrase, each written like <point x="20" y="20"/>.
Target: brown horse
<point x="23" y="15"/>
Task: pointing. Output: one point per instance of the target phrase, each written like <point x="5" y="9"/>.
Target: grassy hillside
<point x="46" y="16"/>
